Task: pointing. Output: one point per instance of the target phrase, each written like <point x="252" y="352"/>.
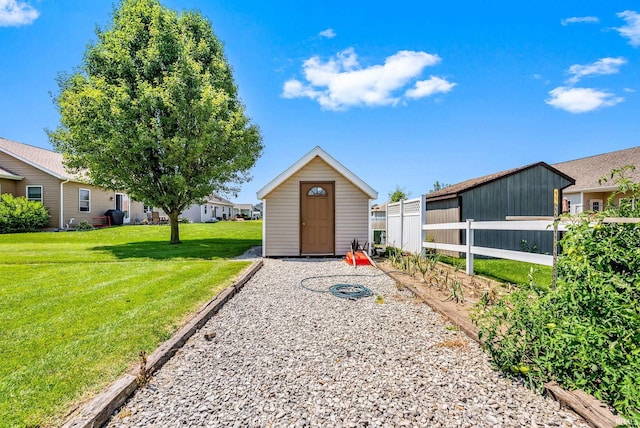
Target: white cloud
<point x="341" y="82"/>
<point x="328" y="33"/>
<point x="632" y="29"/>
<point x="602" y="66"/>
<point x="581" y="100"/>
<point x="426" y="88"/>
<point x="16" y="13"/>
<point x="580" y="20"/>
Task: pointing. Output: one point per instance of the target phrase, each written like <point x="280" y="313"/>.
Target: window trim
<point x="80" y="200"/>
<point x="41" y="199"/>
<point x="599" y="201"/>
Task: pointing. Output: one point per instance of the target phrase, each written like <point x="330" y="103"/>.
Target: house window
<point x="317" y="191"/>
<point x="34" y="193"/>
<point x="84" y="203"/>
<point x="596" y="205"/>
<point x="205" y="208"/>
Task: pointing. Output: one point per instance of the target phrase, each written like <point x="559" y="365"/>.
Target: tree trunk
<point x="175" y="232"/>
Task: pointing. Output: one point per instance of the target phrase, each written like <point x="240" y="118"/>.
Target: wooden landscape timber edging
<point x="588" y="407"/>
<point x="100" y="409"/>
<point x="585" y="405"/>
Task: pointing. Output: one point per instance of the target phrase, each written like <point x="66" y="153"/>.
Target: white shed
<point x="316" y="207"/>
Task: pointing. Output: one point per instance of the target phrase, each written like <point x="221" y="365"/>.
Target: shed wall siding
<point x="282" y="214"/>
<point x="527" y="193"/>
<point x="445" y="211"/>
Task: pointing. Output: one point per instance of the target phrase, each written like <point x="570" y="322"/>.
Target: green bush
<point x="585" y="334"/>
<point x="21" y="215"/>
<point x="84" y="225"/>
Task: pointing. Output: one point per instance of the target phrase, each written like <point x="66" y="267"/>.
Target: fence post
<point x="469" y="244"/>
<point x="423" y="220"/>
<point x="401" y="224"/>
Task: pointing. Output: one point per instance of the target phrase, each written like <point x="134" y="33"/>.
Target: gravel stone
<point x="284" y="356"/>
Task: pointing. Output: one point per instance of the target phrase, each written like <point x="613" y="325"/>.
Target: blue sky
<point x="402" y="93"/>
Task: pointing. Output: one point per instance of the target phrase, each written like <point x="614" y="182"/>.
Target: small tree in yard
<point x="154" y="111"/>
<point x="398" y="194"/>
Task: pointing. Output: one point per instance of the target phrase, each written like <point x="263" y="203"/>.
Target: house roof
<point x="219" y="200"/>
<point x="455" y="189"/>
<point x="587" y="171"/>
<point x="317" y="152"/>
<point x="379" y="207"/>
<point x="244" y="206"/>
<point x="5" y="173"/>
<point x="45" y="160"/>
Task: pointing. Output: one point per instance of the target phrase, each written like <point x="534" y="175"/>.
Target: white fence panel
<point x="469" y="226"/>
<point x="405" y="220"/>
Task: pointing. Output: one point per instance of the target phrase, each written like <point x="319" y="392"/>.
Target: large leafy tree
<point x="153" y="110"/>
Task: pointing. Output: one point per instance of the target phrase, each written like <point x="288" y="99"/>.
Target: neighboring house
<point x="257" y="211"/>
<point x="247" y="211"/>
<point x="214" y="207"/>
<point x="316" y="207"/>
<point x="524" y="191"/>
<point x="587" y="194"/>
<point x="39" y="175"/>
<point x="378" y="223"/>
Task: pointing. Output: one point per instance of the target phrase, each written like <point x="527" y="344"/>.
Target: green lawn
<point x="76" y="308"/>
<point x="510" y="271"/>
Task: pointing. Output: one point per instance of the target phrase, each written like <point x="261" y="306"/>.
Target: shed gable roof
<point x="45" y="160"/>
<point x="587" y="171"/>
<point x="302" y="162"/>
<point x="456" y="189"/>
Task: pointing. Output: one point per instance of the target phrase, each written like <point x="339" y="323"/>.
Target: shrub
<point x="21" y="215"/>
<point x="586" y="333"/>
<point x="84" y="225"/>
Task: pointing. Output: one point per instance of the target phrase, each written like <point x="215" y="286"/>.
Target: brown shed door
<point x="317" y="230"/>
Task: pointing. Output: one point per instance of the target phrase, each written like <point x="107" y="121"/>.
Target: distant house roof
<point x="455" y="189"/>
<point x="244" y="206"/>
<point x="5" y="173"/>
<point x="317" y="152"/>
<point x="45" y="160"/>
<point x="587" y="171"/>
<point x="379" y="207"/>
<point x="219" y="200"/>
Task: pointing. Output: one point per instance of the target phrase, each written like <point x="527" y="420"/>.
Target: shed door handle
<point x="304" y="223"/>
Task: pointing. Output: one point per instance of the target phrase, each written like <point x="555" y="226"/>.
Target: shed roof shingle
<point x="454" y="190"/>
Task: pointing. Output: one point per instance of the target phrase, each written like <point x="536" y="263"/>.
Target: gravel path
<point x="285" y="356"/>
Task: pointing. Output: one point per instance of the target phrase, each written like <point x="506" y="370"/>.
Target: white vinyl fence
<point x="470" y="250"/>
<point x="404" y="224"/>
